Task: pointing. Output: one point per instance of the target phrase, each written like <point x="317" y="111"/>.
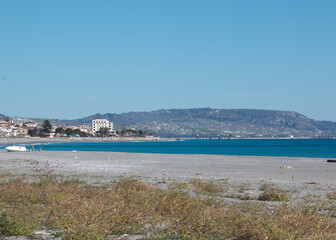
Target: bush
<point x="272" y="193"/>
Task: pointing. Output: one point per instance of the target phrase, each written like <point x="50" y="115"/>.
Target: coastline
<point x="13" y="141"/>
<point x="32" y="140"/>
<point x="307" y="175"/>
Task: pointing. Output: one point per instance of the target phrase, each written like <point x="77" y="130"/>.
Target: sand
<point x="307" y="175"/>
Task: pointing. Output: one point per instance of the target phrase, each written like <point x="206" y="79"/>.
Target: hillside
<point x="221" y="122"/>
<point x="2" y="117"/>
<point x="207" y="122"/>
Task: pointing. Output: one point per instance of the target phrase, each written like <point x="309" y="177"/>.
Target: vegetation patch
<point x="332" y="195"/>
<point x="201" y="186"/>
<point x="134" y="207"/>
<point x="273" y="193"/>
<point x="243" y="187"/>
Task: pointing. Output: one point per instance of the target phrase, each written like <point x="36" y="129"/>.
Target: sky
<point x="69" y="59"/>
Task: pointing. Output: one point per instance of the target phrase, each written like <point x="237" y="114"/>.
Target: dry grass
<point x="131" y="206"/>
<point x="212" y="187"/>
<point x="243" y="187"/>
<point x="273" y="193"/>
<point x="332" y="195"/>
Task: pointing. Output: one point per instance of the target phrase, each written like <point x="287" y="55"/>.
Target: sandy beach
<point x="307" y="175"/>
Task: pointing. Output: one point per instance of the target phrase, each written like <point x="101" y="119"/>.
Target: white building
<point x="85" y="128"/>
<point x="97" y="124"/>
<point x="30" y="124"/>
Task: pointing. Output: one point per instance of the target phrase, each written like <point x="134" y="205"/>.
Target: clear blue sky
<point x="69" y="59"/>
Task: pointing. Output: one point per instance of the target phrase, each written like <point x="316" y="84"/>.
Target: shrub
<point x="332" y="195"/>
<point x="273" y="193"/>
<point x="208" y="187"/>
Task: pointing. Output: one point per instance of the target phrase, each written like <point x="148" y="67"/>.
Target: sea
<point x="312" y="148"/>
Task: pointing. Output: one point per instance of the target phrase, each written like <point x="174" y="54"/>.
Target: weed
<point x="14" y="223"/>
<point x="332" y="195"/>
<point x="245" y="197"/>
<point x="202" y="186"/>
<point x="179" y="185"/>
<point x="4" y="177"/>
<point x="245" y="186"/>
<point x="273" y="193"/>
<point x="266" y="186"/>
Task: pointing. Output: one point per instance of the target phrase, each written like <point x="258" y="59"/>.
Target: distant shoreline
<point x="33" y="140"/>
<point x="12" y="141"/>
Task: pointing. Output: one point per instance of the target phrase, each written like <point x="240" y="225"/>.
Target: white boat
<point x="16" y="149"/>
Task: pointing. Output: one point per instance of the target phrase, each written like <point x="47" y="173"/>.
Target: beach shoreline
<point x="308" y="175"/>
<point x="34" y="140"/>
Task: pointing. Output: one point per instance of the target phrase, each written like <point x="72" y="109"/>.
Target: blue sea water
<point x="315" y="148"/>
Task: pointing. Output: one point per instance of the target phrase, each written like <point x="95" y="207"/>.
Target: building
<point x="30" y="124"/>
<point x="97" y="124"/>
<point x="3" y="124"/>
<point x="85" y="129"/>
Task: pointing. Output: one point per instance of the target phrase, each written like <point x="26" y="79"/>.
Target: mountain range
<point x="209" y="122"/>
<point x="219" y="122"/>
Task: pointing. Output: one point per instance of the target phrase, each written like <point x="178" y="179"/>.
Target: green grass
<point x="134" y="207"/>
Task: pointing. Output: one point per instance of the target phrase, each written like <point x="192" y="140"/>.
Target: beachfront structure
<point x="85" y="128"/>
<point x="97" y="124"/>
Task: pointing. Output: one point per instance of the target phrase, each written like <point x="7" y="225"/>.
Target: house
<point x="3" y="124"/>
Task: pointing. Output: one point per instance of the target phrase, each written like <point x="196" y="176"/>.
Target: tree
<point x="68" y="131"/>
<point x="77" y="131"/>
<point x="46" y="126"/>
<point x="83" y="134"/>
<point x="41" y="133"/>
<point x="103" y="131"/>
<point x="60" y="130"/>
<point x="33" y="132"/>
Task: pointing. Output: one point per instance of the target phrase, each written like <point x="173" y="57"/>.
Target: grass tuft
<point x="273" y="193"/>
<point x="201" y="186"/>
<point x="332" y="195"/>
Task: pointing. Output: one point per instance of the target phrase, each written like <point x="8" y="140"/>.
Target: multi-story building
<point x="97" y="124"/>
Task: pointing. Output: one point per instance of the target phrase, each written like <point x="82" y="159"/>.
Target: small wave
<point x="39" y="143"/>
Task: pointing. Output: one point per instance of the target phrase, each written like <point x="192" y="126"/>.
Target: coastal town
<point x="26" y="128"/>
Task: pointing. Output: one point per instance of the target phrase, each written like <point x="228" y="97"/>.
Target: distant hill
<point x="2" y="116"/>
<point x="207" y="122"/>
<point x="221" y="122"/>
